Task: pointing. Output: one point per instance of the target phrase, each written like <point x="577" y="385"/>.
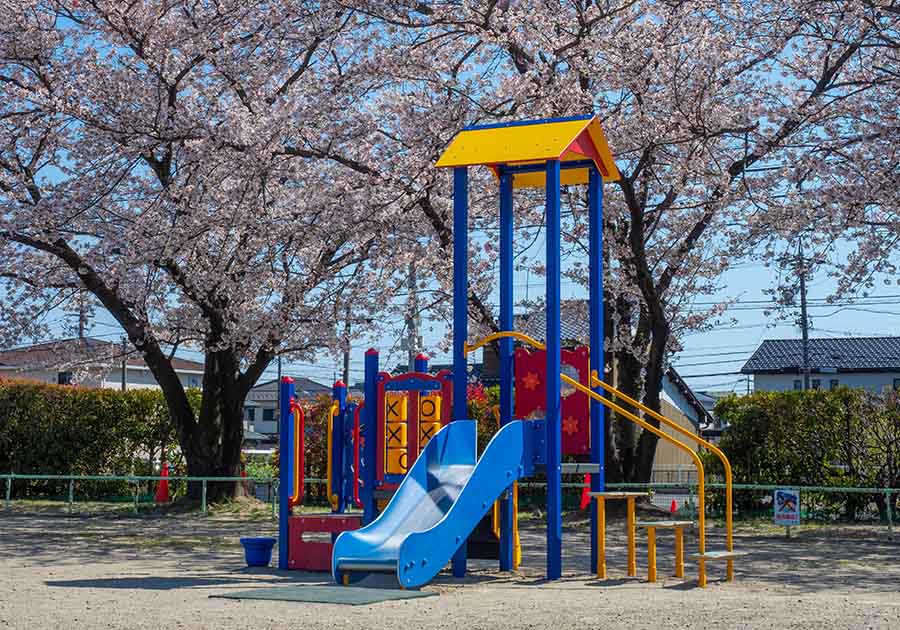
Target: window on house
<point x="816" y="384"/>
<point x="897" y="383"/>
<point x="798" y="384"/>
<point x="268" y="415"/>
<point x="251" y="413"/>
<point x="833" y="383"/>
<point x="64" y="378"/>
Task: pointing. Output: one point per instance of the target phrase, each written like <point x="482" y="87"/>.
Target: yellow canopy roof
<point x="570" y="140"/>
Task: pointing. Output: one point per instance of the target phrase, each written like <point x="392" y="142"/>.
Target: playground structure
<point x="410" y="443"/>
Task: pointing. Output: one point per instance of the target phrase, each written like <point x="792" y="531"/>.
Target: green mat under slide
<point x="330" y="594"/>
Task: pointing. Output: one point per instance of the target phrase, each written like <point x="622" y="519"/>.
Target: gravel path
<point x="77" y="573"/>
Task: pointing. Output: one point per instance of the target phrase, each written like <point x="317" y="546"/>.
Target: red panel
<point x="316" y="556"/>
<point x="531" y="389"/>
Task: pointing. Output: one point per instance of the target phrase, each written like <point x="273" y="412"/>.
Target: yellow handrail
<point x="729" y="536"/>
<point x="332" y="498"/>
<point x="499" y="335"/>
<point x="595" y="381"/>
<point x="701" y="517"/>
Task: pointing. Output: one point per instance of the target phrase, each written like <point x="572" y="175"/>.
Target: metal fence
<point x="819" y="503"/>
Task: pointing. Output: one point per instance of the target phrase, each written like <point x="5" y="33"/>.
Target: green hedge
<point x="56" y="429"/>
<point x="845" y="437"/>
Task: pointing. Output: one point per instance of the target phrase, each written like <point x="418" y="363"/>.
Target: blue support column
<point x="554" y="360"/>
<point x="369" y="431"/>
<point x="460" y="314"/>
<point x="421" y="363"/>
<point x="339" y="395"/>
<point x="595" y="283"/>
<point x="286" y="467"/>
<point x="506" y="351"/>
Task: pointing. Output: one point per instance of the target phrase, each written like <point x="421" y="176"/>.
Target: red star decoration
<point x="531" y="381"/>
<point x="570" y="425"/>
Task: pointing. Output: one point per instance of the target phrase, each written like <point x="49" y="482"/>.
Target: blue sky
<point x="719" y="352"/>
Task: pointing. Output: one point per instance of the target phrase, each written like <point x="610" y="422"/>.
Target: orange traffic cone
<point x="162" y="490"/>
<point x="585" y="496"/>
<point x="674" y="507"/>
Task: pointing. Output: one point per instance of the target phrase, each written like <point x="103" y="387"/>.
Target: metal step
<point x="717" y="555"/>
<point x="572" y="468"/>
<point x="367" y="566"/>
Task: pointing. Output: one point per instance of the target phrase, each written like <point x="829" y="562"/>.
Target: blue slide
<point x="439" y="503"/>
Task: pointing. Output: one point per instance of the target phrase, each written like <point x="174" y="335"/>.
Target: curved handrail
<point x="499" y="335"/>
<point x="701" y="517"/>
<point x="299" y="446"/>
<point x="729" y="536"/>
<point x="332" y="498"/>
<point x="595" y="381"/>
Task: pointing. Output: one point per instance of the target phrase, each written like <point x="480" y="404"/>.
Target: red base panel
<point x="316" y="556"/>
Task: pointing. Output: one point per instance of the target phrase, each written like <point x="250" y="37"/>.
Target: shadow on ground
<point x="809" y="562"/>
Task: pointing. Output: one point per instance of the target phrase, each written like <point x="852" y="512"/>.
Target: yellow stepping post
<point x="678" y="527"/>
<point x="601" y="498"/>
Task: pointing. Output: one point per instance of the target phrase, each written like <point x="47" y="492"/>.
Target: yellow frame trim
<point x="332" y="498"/>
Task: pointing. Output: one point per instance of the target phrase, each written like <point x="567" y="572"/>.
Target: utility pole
<point x="278" y="399"/>
<point x="412" y="320"/>
<point x="347" y="348"/>
<point x="804" y="320"/>
<point x="82" y="316"/>
<point x="124" y="364"/>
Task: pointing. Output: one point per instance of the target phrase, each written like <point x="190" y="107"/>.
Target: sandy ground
<point x="77" y="572"/>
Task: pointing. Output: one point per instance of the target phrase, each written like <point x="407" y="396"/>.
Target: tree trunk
<point x="628" y="381"/>
<point x="646" y="448"/>
<point x="211" y="440"/>
<point x="613" y="463"/>
<point x="214" y="449"/>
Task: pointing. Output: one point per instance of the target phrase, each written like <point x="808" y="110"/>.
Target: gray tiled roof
<point x="574" y="322"/>
<point x="846" y="354"/>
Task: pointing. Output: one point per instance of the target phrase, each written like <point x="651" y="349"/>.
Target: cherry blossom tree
<point x="172" y="159"/>
<point x="715" y="113"/>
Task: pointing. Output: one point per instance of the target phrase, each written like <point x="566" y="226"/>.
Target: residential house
<point x="90" y="362"/>
<point x="872" y="363"/>
<point x="261" y="405"/>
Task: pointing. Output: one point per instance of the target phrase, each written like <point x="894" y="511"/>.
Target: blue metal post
<point x="506" y="351"/>
<point x="285" y="467"/>
<point x="369" y="430"/>
<point x="421" y="363"/>
<point x="339" y="395"/>
<point x="595" y="267"/>
<point x="554" y="359"/>
<point x="460" y="313"/>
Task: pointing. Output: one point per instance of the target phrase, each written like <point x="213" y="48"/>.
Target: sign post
<point x="786" y="504"/>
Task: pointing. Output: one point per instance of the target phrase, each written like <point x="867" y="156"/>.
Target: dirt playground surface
<point x="157" y="572"/>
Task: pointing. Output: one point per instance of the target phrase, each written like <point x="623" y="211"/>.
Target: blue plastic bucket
<point x="258" y="551"/>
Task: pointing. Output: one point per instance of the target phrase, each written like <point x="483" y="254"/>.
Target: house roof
<point x="534" y="142"/>
<point x="574" y="322"/>
<point x="844" y="354"/>
<point x="703" y="414"/>
<point x="84" y="352"/>
<point x="301" y="384"/>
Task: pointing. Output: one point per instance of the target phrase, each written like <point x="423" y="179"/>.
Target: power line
<point x="709" y="375"/>
<point x="678" y="367"/>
